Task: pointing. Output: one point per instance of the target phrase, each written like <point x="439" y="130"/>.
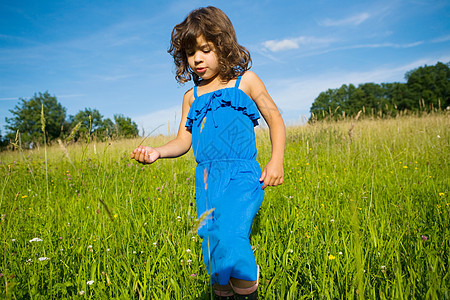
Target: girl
<point x="218" y="117"/>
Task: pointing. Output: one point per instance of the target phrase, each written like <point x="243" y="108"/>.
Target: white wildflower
<point x="81" y="292"/>
<point x="188" y="250"/>
<point x="43" y="258"/>
<point x="178" y="218"/>
<point x="36" y="240"/>
<point x="90" y="282"/>
<point x="340" y="252"/>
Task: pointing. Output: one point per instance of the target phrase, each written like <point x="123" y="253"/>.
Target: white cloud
<point x="295" y="43"/>
<point x="360" y="46"/>
<point x="387" y="45"/>
<point x="159" y="122"/>
<point x="352" y="20"/>
<point x="441" y="39"/>
<point x="294" y="96"/>
<point x="275" y="46"/>
<point x="70" y="96"/>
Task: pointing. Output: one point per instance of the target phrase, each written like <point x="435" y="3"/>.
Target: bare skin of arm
<point x="176" y="147"/>
<point x="273" y="172"/>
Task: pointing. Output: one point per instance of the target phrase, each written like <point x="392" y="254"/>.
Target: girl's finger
<point x="141" y="157"/>
<point x="263" y="175"/>
<point x="133" y="153"/>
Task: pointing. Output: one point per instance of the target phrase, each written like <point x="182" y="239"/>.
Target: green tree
<point x="334" y="102"/>
<point x="125" y="127"/>
<point x="27" y="119"/>
<point x="108" y="128"/>
<point x="91" y="123"/>
<point x="3" y="142"/>
<point x="430" y="84"/>
<point x="427" y="87"/>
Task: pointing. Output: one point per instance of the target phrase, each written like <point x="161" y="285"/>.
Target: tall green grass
<point x="363" y="213"/>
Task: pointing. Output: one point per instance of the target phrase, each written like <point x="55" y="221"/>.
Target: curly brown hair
<point x="214" y="25"/>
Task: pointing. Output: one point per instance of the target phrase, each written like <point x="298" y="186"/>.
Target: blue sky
<point x="112" y="55"/>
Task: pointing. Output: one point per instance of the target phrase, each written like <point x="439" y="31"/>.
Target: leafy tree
<point x="3" y="142"/>
<point x="427" y="87"/>
<point x="91" y="122"/>
<point x="125" y="127"/>
<point x="430" y="84"/>
<point x="108" y="127"/>
<point x="27" y="119"/>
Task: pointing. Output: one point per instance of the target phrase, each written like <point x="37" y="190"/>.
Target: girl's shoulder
<point x="189" y="96"/>
<point x="251" y="84"/>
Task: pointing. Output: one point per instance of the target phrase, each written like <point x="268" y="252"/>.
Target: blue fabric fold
<point x="232" y="97"/>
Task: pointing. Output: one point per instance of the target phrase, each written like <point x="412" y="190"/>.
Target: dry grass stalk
<point x="64" y="149"/>
<point x="352" y="126"/>
<point x="73" y="132"/>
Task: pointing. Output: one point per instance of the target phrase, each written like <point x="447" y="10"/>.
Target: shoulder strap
<point x="238" y="80"/>
<point x="195" y="92"/>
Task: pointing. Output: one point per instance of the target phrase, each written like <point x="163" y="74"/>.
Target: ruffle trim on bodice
<point x="232" y="97"/>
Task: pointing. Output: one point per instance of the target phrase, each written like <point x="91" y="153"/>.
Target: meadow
<point x="363" y="213"/>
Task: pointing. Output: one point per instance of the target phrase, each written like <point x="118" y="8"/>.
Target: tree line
<point x="26" y="125"/>
<point x="427" y="89"/>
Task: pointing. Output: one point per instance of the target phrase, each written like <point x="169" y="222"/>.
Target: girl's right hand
<point x="145" y="155"/>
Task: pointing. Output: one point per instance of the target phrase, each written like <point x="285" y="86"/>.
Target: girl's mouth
<point x="201" y="70"/>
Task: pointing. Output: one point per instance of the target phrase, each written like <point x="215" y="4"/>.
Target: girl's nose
<point x="198" y="57"/>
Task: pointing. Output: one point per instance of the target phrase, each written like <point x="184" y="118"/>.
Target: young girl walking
<point x="218" y="119"/>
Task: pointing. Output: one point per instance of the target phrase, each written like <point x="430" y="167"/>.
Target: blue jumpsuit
<point x="226" y="179"/>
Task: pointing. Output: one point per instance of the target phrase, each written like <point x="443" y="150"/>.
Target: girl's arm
<point x="176" y="147"/>
<point x="273" y="172"/>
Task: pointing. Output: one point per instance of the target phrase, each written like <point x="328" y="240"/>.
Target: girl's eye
<point x="189" y="53"/>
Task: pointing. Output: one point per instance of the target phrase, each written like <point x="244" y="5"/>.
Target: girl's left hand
<point x="272" y="175"/>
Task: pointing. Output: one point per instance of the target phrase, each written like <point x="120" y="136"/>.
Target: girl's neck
<point x="213" y="84"/>
<point x="213" y="81"/>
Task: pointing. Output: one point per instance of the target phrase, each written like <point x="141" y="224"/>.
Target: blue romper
<point x="226" y="179"/>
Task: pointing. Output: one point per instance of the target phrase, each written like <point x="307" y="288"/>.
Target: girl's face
<point x="203" y="59"/>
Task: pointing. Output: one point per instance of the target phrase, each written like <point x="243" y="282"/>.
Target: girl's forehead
<point x="200" y="41"/>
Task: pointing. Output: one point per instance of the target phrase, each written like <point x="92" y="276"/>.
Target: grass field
<point x="363" y="213"/>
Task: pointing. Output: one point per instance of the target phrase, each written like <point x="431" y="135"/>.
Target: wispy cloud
<point x="112" y="77"/>
<point x="441" y="39"/>
<point x="349" y="21"/>
<point x="316" y="52"/>
<point x="385" y="45"/>
<point x="295" y="43"/>
<point x="71" y="96"/>
<point x="295" y="95"/>
<point x="160" y="121"/>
